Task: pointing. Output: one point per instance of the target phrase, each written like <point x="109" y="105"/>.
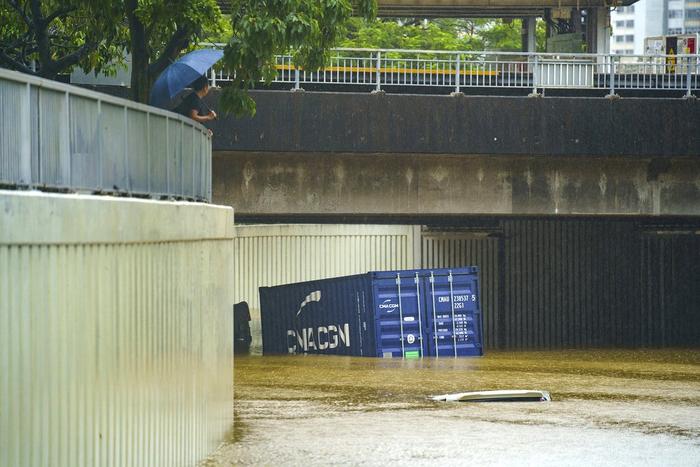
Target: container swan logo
<point x="314" y="296"/>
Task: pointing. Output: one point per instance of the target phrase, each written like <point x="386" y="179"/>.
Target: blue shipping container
<point x="410" y="314"/>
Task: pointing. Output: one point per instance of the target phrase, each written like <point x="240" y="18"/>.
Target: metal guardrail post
<point x="379" y="67"/>
<point x="535" y="75"/>
<point x="213" y="77"/>
<point x="612" y="75"/>
<point x="689" y="78"/>
<point x="25" y="131"/>
<point x="458" y="75"/>
<point x="296" y="78"/>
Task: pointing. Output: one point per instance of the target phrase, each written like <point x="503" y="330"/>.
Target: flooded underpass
<point x="608" y="408"/>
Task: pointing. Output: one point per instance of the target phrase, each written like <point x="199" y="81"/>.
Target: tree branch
<point x="15" y="4"/>
<point x="42" y="38"/>
<point x="15" y="64"/>
<point x="75" y="57"/>
<point x="58" y="13"/>
<point x="179" y="41"/>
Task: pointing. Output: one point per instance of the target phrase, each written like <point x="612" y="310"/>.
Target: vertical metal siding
<point x="283" y="254"/>
<point x="557" y="283"/>
<point x="569" y="283"/>
<point x="114" y="354"/>
<point x="670" y="297"/>
<point x="268" y="255"/>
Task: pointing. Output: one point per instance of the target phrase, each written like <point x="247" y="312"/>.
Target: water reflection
<point x="609" y="407"/>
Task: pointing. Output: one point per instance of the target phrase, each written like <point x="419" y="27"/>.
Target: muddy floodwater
<point x="609" y="408"/>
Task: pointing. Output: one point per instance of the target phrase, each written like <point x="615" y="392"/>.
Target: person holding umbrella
<point x="189" y="70"/>
<point x="193" y="107"/>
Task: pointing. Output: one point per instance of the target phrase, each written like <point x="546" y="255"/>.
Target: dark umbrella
<point x="183" y="72"/>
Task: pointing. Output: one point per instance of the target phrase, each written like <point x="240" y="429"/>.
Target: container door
<point x="453" y="314"/>
<point x="399" y="311"/>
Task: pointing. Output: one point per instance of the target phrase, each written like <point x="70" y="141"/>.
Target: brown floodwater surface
<point x="608" y="408"/>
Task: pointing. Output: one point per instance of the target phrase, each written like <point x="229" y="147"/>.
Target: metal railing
<point x="60" y="137"/>
<point x="378" y="68"/>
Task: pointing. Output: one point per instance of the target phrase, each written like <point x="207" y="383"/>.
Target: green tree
<point x="439" y="34"/>
<point x="410" y="33"/>
<point x="49" y="37"/>
<point x="159" y="30"/>
<point x="261" y="29"/>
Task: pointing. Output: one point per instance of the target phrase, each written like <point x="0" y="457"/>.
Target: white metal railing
<point x="61" y="137"/>
<point x="537" y="71"/>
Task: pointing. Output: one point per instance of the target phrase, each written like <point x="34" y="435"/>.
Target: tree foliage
<point x="49" y="37"/>
<point x="159" y="30"/>
<point x="439" y="34"/>
<point x="261" y="29"/>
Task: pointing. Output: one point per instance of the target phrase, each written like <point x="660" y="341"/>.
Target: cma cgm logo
<point x="387" y="305"/>
<point x="326" y="337"/>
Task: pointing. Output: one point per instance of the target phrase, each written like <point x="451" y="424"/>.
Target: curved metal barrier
<point x="55" y="136"/>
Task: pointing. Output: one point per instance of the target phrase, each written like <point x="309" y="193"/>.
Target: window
<point x="630" y="8"/>
<point x="629" y="38"/>
<point x="619" y="38"/>
<point x="675" y="13"/>
<point x="675" y="30"/>
<point x="619" y="24"/>
<point x="629" y="23"/>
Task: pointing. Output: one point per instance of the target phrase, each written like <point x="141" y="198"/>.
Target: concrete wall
<point x="260" y="184"/>
<point x="115" y="330"/>
<point x="312" y="122"/>
<point x="321" y="153"/>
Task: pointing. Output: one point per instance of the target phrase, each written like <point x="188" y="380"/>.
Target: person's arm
<point x="194" y="115"/>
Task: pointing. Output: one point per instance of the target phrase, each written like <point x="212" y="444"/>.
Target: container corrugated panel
<point x="327" y="316"/>
<point x="410" y="313"/>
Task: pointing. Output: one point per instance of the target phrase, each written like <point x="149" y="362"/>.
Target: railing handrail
<point x="484" y="52"/>
<point x="98" y="96"/>
<point x="65" y="137"/>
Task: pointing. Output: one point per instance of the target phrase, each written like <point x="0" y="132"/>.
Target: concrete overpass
<point x="321" y="154"/>
<point x="484" y="8"/>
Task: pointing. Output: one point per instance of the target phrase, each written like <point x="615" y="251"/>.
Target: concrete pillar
<point x="603" y="30"/>
<point x="529" y="38"/>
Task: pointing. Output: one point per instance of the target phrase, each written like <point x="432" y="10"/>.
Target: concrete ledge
<point x="84" y="219"/>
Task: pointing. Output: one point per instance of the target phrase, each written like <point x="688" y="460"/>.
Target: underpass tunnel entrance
<point x="547" y="282"/>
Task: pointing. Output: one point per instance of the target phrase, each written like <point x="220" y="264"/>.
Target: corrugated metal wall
<point x="268" y="255"/>
<point x="670" y="298"/>
<point x="557" y="283"/>
<point x="113" y="353"/>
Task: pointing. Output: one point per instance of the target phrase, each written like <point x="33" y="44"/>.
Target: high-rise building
<point x="631" y="24"/>
<point x="683" y="16"/>
<point x="648" y="18"/>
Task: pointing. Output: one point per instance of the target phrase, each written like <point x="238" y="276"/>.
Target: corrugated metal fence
<point x="115" y="350"/>
<point x="553" y="283"/>
<point x="268" y="255"/>
<point x="61" y="137"/>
